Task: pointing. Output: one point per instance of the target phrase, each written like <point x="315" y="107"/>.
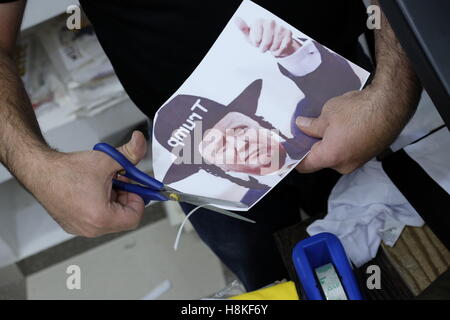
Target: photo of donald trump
<point x="233" y="143"/>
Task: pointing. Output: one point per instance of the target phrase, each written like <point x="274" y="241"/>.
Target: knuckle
<point x="90" y="234"/>
<point x="350" y="94"/>
<point x="347" y="168"/>
<point x="134" y="225"/>
<point x="256" y="39"/>
<point x="69" y="230"/>
<point x="327" y="111"/>
<point x="335" y="159"/>
<point x="97" y="219"/>
<point x="126" y="226"/>
<point x="329" y="104"/>
<point x="134" y="222"/>
<point x="127" y="152"/>
<point x="344" y="170"/>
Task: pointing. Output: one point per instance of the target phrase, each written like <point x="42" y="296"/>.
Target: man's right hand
<point x="76" y="189"/>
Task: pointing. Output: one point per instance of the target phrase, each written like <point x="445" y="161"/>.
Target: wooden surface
<point x="419" y="257"/>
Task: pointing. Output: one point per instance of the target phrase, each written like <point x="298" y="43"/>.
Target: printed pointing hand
<point x="269" y="36"/>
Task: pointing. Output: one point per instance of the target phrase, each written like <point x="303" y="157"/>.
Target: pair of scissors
<point x="148" y="188"/>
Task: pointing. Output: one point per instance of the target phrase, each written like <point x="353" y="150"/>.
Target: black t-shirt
<point x="154" y="45"/>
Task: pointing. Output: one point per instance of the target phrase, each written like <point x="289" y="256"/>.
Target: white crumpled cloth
<point x="359" y="206"/>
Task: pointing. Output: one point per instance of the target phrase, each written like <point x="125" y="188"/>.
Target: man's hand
<point x="76" y="189"/>
<point x="360" y="125"/>
<point x="267" y="35"/>
<point x="354" y="128"/>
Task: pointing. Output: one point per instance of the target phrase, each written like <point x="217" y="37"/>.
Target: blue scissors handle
<point x="146" y="194"/>
<point x="151" y="189"/>
<point x="131" y="171"/>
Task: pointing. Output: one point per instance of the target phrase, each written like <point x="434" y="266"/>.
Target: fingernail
<point x="303" y="122"/>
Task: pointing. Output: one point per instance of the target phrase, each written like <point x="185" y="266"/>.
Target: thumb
<point x="314" y="161"/>
<point x="134" y="151"/>
<point x="313" y="127"/>
<point x="136" y="148"/>
<point x="240" y="23"/>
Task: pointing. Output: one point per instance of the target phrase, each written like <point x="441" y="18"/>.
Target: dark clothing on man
<point x="155" y="45"/>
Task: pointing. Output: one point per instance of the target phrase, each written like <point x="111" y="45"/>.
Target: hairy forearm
<point x="394" y="79"/>
<point x="21" y="142"/>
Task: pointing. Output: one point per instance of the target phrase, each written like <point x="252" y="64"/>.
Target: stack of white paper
<point x="67" y="74"/>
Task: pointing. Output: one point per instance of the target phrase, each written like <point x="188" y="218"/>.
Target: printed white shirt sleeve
<point x="304" y="61"/>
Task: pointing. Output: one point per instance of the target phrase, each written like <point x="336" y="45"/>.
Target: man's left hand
<point x="354" y="128"/>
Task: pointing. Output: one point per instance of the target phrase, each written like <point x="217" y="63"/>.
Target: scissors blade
<point x="228" y="213"/>
<point x="200" y="200"/>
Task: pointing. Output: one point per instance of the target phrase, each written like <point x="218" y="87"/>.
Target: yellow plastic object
<point x="174" y="196"/>
<point x="283" y="291"/>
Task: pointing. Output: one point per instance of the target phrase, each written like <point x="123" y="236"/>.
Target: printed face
<point x="238" y="143"/>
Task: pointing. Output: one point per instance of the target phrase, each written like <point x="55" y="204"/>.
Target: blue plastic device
<point x="151" y="189"/>
<point x="319" y="250"/>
